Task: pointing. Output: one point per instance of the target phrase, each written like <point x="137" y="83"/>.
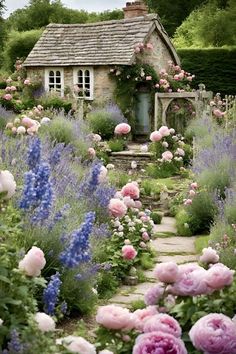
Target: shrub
<point x="104" y="120"/>
<point x="156" y="217"/>
<point x="19" y="45"/>
<point x="182" y="223"/>
<point x="163" y="170"/>
<point x="204" y="63"/>
<point x="116" y="145"/>
<point x="53" y="101"/>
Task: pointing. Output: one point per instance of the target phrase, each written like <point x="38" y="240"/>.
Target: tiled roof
<point x="102" y="43"/>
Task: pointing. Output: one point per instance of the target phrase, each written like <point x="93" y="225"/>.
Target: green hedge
<point x="214" y="67"/>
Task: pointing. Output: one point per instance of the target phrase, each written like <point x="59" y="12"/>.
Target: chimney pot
<point x="135" y="9"/>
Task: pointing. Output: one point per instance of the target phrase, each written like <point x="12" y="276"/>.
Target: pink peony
<point x="28" y="122"/>
<point x="154" y="294"/>
<point x="191" y="282"/>
<point x="188" y="202"/>
<point x="21" y="130"/>
<point x="164" y="323"/>
<point x="167" y="272"/>
<point x="214" y="334"/>
<point x="7" y="97"/>
<point x="145" y="236"/>
<point x="117" y="208"/>
<point x="77" y="345"/>
<point x="148" y="78"/>
<point x="45" y="323"/>
<point x="27" y="82"/>
<point x="138" y="204"/>
<point x="192" y="193"/>
<point x="167" y="156"/>
<point x="129" y="202"/>
<point x="165" y="131"/>
<point x="130" y="190"/>
<point x="158" y="342"/>
<point x="129" y="252"/>
<point x="219" y="276"/>
<point x="91" y="152"/>
<point x="13" y="88"/>
<point x="7" y="184"/>
<point x="33" y="262"/>
<point x="155" y="136"/>
<point x="180" y="152"/>
<point x="141" y="316"/>
<point x="194" y="185"/>
<point x="114" y="317"/>
<point x="209" y="255"/>
<point x="122" y="129"/>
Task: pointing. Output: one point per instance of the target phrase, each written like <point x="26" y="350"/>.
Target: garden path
<point x="168" y="248"/>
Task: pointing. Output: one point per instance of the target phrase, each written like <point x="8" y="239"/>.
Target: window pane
<point x="87" y="73"/>
<point x="80" y="80"/>
<point x="80" y="73"/>
<point x="58" y="80"/>
<point x="51" y="80"/>
<point x="58" y="87"/>
<point x="51" y="73"/>
<point x="58" y="73"/>
<point x="87" y="79"/>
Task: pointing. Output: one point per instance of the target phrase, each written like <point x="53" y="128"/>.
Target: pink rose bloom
<point x="45" y="323"/>
<point x="155" y="136"/>
<point x="33" y="262"/>
<point x="114" y="317"/>
<point x="209" y="255"/>
<point x="219" y="276"/>
<point x="194" y="185"/>
<point x="27" y="82"/>
<point x="91" y="152"/>
<point x="143" y="245"/>
<point x="137" y="50"/>
<point x="34" y="129"/>
<point x="177" y="68"/>
<point x="28" y="122"/>
<point x="162" y="72"/>
<point x="129" y="252"/>
<point x="13" y="88"/>
<point x="180" y="152"/>
<point x="192" y="193"/>
<point x="130" y="190"/>
<point x="167" y="272"/>
<point x="154" y="294"/>
<point x="127" y="242"/>
<point x="190" y="78"/>
<point x="188" y="202"/>
<point x="21" y="130"/>
<point x="103" y="174"/>
<point x="77" y="345"/>
<point x="8" y="89"/>
<point x="165" y="131"/>
<point x="117" y="208"/>
<point x="176" y="77"/>
<point x="158" y="342"/>
<point x="164" y="323"/>
<point x="145" y="236"/>
<point x="138" y="204"/>
<point x="214" y="334"/>
<point x="7" y="97"/>
<point x="149" y="46"/>
<point x="191" y="283"/>
<point x="167" y="156"/>
<point x="141" y="316"/>
<point x="148" y="78"/>
<point x="9" y="80"/>
<point x="14" y="130"/>
<point x="122" y="129"/>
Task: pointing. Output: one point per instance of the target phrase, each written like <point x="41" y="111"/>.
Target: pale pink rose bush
<point x="33" y="262"/>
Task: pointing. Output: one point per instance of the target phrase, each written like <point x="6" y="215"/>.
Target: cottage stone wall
<point x="104" y="86"/>
<point x="159" y="56"/>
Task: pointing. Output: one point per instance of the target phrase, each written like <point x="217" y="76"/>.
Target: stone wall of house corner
<point x="104" y="86"/>
<point x="38" y="71"/>
<point x="160" y="54"/>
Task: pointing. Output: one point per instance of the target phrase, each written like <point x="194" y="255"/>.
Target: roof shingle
<point x="102" y="43"/>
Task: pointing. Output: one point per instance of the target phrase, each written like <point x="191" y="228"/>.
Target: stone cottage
<point x="82" y="55"/>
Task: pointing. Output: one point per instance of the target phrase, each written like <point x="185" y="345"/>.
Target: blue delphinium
<point x="15" y="345"/>
<point x="34" y="153"/>
<point x="103" y="195"/>
<point x="29" y="192"/>
<point x="51" y="294"/>
<point x="90" y="183"/>
<point x="78" y="250"/>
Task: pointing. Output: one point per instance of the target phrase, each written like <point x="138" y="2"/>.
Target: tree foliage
<point x="173" y="13"/>
<point x="212" y="25"/>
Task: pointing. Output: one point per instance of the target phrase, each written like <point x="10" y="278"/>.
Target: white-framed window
<point x="54" y="80"/>
<point x="83" y="78"/>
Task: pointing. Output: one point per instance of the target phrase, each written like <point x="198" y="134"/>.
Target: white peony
<point x="45" y="322"/>
<point x="7" y="184"/>
<point x="77" y="345"/>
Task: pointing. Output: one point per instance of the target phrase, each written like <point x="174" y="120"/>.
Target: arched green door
<point x="142" y="114"/>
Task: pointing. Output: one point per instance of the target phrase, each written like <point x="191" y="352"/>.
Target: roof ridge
<point x="149" y="17"/>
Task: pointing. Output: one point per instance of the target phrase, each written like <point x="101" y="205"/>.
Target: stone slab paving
<point x="168" y="224"/>
<point x="175" y="244"/>
<point x="174" y="248"/>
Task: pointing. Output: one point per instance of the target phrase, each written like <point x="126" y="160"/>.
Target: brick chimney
<point x="135" y="9"/>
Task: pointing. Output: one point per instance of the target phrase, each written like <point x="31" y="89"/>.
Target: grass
<point x="201" y="242"/>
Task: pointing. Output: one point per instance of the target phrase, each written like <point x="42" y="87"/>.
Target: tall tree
<point x="173" y="13"/>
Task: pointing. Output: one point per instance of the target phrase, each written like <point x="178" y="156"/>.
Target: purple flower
<point x="164" y="323"/>
<point x="214" y="333"/>
<point x="158" y="342"/>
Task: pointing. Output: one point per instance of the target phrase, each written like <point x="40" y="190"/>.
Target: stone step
<point x="168" y="224"/>
<point x="175" y="245"/>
